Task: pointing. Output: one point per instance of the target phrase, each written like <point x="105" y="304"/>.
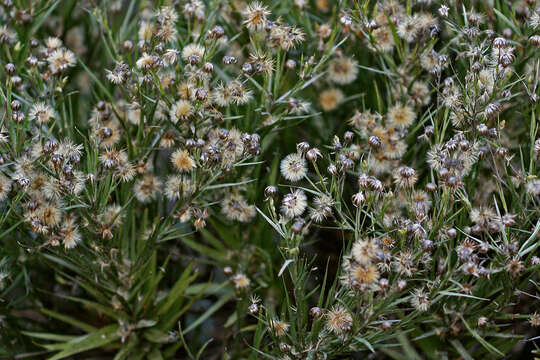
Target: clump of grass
<point x="278" y="179"/>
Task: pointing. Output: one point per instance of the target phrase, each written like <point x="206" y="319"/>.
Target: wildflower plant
<point x="269" y="179"/>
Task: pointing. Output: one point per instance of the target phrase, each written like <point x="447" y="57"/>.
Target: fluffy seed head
<point x="339" y="320"/>
<point x="293" y="167"/>
<point x="182" y="161"/>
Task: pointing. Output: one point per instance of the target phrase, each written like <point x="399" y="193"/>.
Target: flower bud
<point x="482" y="322"/>
<point x="431" y="187"/>
<point x="332" y="169"/>
<point x="127" y="45"/>
<point x="313" y="154"/>
<point x="208" y="68"/>
<point x="374" y="141"/>
<point x="9" y="68"/>
<point x="302" y="146"/>
<point x="290" y="64"/>
<point x="16" y="105"/>
<point x="270" y="191"/>
<point x="253" y="309"/>
<point x="316" y="312"/>
<point x="358" y="199"/>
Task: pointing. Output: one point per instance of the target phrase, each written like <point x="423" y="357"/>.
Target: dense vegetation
<point x="278" y="179"/>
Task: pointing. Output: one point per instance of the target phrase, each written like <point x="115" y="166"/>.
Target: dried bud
<point x="32" y="61"/>
<point x="17" y="116"/>
<point x="483" y="247"/>
<point x="476" y="67"/>
<point x="127" y="45"/>
<point x="332" y="169"/>
<point x="371" y="25"/>
<point x="57" y="159"/>
<point x="247" y="68"/>
<point x="16" y="80"/>
<point x="142" y="46"/>
<point x="101" y="105"/>
<point x="443" y="10"/>
<point x="386" y="324"/>
<point x="194" y="59"/>
<point x="316" y="312"/>
<point x="473" y="18"/>
<point x="9" y="68"/>
<point x="223" y="134"/>
<point x="191" y="143"/>
<point x="499" y="43"/>
<point x="482" y="322"/>
<point x="50" y="146"/>
<point x="431" y="187"/>
<point x="374" y="141"/>
<point x="298" y="226"/>
<point x="290" y="64"/>
<point x="228" y="60"/>
<point x="375" y="184"/>
<point x="346" y="163"/>
<point x="427" y="245"/>
<point x="444" y="173"/>
<point x="208" y="68"/>
<point x="284" y="348"/>
<point x="253" y="309"/>
<point x="509" y="219"/>
<point x="345" y="20"/>
<point x="216" y="32"/>
<point x="270" y="191"/>
<point x="201" y="143"/>
<point x="358" y="199"/>
<point x="336" y="143"/>
<point x="302" y="146"/>
<point x="512" y="248"/>
<point x="384" y="284"/>
<point x="535" y="40"/>
<point x="313" y="154"/>
<point x="201" y="94"/>
<point x="492" y="110"/>
<point x="482" y="129"/>
<point x="16" y="105"/>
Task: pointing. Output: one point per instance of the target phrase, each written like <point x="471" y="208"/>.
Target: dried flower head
<point x="338" y="320"/>
<point x="255" y="16"/>
<point x="182" y="161"/>
<point x="330" y="99"/>
<point x="343" y="70"/>
<point x="294" y="203"/>
<point x="278" y="327"/>
<point x="401" y="115"/>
